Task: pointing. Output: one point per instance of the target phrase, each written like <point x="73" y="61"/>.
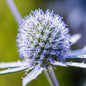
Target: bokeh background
<point x="73" y="13"/>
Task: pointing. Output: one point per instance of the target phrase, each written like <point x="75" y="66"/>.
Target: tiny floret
<point x="43" y="38"/>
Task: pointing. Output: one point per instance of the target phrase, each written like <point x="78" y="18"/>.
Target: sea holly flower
<point x="43" y="40"/>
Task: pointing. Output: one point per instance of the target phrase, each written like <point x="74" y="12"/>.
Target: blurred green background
<point x="8" y="49"/>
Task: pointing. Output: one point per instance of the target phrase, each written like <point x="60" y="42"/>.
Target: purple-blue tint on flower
<point x="48" y="29"/>
<point x="43" y="40"/>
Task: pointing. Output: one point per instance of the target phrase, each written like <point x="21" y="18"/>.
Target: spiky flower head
<point x="43" y="38"/>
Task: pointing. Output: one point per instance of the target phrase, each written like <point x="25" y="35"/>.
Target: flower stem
<point x="51" y="77"/>
<point x="14" y="10"/>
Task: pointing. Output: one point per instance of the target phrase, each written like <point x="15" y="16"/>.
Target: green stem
<point x="51" y="77"/>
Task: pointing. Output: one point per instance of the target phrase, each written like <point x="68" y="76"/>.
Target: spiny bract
<point x="43" y="37"/>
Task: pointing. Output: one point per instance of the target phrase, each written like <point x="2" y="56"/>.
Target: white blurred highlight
<point x="75" y="38"/>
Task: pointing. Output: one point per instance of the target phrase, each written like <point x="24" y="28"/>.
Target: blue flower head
<point x="42" y="35"/>
<point x="43" y="40"/>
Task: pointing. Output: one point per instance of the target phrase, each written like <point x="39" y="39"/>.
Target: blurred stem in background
<point x="14" y="11"/>
<point x="48" y="72"/>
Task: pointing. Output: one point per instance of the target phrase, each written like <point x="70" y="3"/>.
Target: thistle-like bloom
<point x="43" y="40"/>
